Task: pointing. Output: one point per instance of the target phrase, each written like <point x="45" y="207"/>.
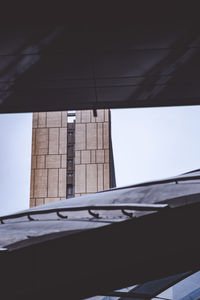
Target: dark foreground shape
<point x="102" y="55"/>
<point x="82" y="256"/>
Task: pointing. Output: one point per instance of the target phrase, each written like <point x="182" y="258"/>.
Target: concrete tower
<point x="71" y="155"/>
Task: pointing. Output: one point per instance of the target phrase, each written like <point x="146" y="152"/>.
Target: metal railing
<point x="89" y="208"/>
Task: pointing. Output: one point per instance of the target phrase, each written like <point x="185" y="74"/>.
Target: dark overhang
<point x="136" y="54"/>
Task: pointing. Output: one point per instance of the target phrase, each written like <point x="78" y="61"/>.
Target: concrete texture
<point x="49" y="155"/>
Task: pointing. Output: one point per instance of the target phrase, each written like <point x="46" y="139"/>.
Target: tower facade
<point x="71" y="155"/>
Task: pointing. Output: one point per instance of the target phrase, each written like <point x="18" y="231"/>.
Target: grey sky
<point x="15" y="161"/>
<point x="153" y="143"/>
<point x="148" y="144"/>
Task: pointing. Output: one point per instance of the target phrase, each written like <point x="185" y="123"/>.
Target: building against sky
<point x="71" y="155"/>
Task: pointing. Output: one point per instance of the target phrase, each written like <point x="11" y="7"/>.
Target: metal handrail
<point x="89" y="208"/>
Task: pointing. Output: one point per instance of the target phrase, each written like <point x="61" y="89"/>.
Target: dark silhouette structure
<point x="99" y="243"/>
<point x="86" y="56"/>
<point x="97" y="56"/>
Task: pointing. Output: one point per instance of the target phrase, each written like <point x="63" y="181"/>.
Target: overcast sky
<point x="150" y="143"/>
<point x="154" y="143"/>
<point x="15" y="161"/>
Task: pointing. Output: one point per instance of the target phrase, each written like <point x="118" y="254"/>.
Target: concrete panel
<point x="100" y="177"/>
<point x="107" y="158"/>
<point x="62" y="183"/>
<point x="32" y="202"/>
<point x="80" y="179"/>
<point x="91" y="179"/>
<point x="50" y="147"/>
<point x="33" y="142"/>
<point x="92" y="136"/>
<point x="93" y="156"/>
<point x="41" y="145"/>
<point x="80" y="137"/>
<point x="77" y="157"/>
<point x="53" y="140"/>
<point x="33" y="162"/>
<point x="35" y="120"/>
<point x="92" y="118"/>
<point x="100" y="115"/>
<point x="32" y="183"/>
<point x="106" y="177"/>
<point x="64" y="118"/>
<point x="106" y="112"/>
<point x="63" y="141"/>
<point x="53" y="161"/>
<point x="85" y="116"/>
<point x="39" y="201"/>
<point x="106" y="135"/>
<point x="100" y="135"/>
<point x="53" y="183"/>
<point x="64" y="161"/>
<point x="40" y="162"/>
<point x="78" y="116"/>
<point x="42" y="119"/>
<point x="40" y="188"/>
<point x="100" y="156"/>
<point x="77" y="195"/>
<point x="85" y="157"/>
<point x="54" y="119"/>
<point x="50" y="200"/>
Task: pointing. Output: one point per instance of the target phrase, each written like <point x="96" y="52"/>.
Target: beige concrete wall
<point x="91" y="152"/>
<point x="49" y="149"/>
<point x="49" y="155"/>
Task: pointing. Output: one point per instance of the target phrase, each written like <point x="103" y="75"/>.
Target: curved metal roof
<point x="100" y="209"/>
<point x="99" y="254"/>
